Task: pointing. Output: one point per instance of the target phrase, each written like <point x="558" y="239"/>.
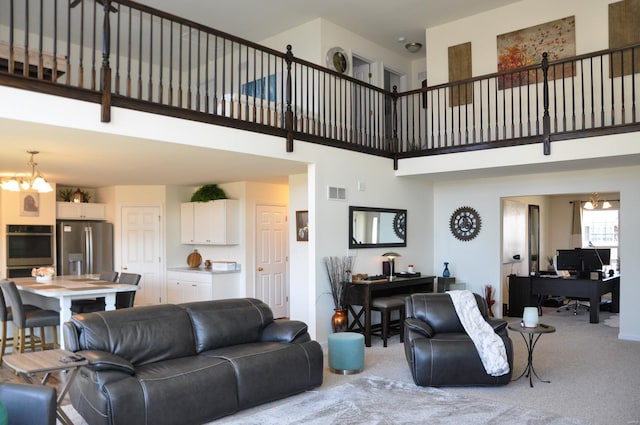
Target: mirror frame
<point x="353" y="245"/>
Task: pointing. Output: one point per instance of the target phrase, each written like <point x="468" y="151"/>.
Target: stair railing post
<point x="546" y="120"/>
<point x="288" y="123"/>
<point x="105" y="70"/>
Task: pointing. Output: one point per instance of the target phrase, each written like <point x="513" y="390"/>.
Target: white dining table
<point x="68" y="288"/>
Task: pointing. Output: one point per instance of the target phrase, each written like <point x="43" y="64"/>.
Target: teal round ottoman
<point x="346" y="353"/>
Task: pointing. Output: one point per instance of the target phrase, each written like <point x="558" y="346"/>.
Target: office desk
<point x="360" y="293"/>
<point x="67" y="288"/>
<point x="583" y="288"/>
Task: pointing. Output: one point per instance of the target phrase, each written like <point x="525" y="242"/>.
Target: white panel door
<point x="272" y="283"/>
<point x="141" y="247"/>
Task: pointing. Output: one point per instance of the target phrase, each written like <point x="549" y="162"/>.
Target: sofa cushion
<point x="140" y="335"/>
<point x="267" y="371"/>
<point x="223" y="323"/>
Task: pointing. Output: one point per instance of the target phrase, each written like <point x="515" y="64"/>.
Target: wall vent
<point x="335" y="193"/>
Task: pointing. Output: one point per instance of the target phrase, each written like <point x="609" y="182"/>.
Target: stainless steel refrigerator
<point x="84" y="247"/>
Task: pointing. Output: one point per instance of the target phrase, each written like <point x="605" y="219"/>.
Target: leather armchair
<point x="29" y="404"/>
<point x="439" y="351"/>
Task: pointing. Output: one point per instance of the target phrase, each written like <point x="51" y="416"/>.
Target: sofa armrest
<point x="284" y="330"/>
<point x="496" y="324"/>
<point x="102" y="361"/>
<point x="419" y="326"/>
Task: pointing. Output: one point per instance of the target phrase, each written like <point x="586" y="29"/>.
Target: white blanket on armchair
<point x="489" y="345"/>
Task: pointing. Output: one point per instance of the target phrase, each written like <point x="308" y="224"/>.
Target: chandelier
<point x="593" y="203"/>
<point x="34" y="181"/>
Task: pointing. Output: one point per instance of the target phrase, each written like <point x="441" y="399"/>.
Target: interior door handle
<point x="125" y="268"/>
<point x="260" y="269"/>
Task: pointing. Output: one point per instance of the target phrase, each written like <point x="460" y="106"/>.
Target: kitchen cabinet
<point x="80" y="211"/>
<point x="189" y="286"/>
<point x="209" y="223"/>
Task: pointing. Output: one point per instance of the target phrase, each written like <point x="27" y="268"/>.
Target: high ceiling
<point x="117" y="161"/>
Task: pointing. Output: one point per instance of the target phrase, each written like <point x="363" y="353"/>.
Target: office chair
<point x="575" y="303"/>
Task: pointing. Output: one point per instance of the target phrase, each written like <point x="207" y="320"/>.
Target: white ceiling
<point x="66" y="159"/>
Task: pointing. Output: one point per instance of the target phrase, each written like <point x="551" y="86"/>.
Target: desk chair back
<point x="126" y="299"/>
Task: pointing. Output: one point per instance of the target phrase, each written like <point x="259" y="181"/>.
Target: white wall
<point x="482" y="30"/>
<point x="477" y="262"/>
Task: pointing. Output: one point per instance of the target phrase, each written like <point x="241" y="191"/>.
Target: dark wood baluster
<point x="538" y="131"/>
<point x="231" y="99"/>
<point x="118" y="34"/>
<point x="546" y="124"/>
<point x="81" y="50"/>
<point x="263" y="82"/>
<point x="189" y="70"/>
<point x="206" y="74"/>
<point x="634" y="118"/>
<point x="150" y="81"/>
<point x="40" y="37"/>
<point x="269" y="89"/>
<point x="215" y="76"/>
<point x="94" y="28"/>
<point x="224" y="74"/>
<point x="555" y="101"/>
<point x="140" y="58"/>
<point x="25" y="59"/>
<point x="529" y="102"/>
<point x="180" y="67"/>
<point x="170" y="96"/>
<point x="564" y="99"/>
<point x="54" y="71"/>
<point x="11" y="64"/>
<point x="602" y="114"/>
<point x="583" y="94"/>
<point x="129" y="39"/>
<point x="68" y="59"/>
<point x="161" y="64"/>
<point x="573" y="96"/>
<point x="622" y="107"/>
<point x="198" y="105"/>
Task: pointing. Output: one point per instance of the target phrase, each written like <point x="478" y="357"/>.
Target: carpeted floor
<point x="594" y="378"/>
<point x="374" y="400"/>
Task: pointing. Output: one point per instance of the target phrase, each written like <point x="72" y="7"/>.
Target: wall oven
<point x="28" y="246"/>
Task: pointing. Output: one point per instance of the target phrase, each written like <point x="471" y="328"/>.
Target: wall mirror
<point x="377" y="227"/>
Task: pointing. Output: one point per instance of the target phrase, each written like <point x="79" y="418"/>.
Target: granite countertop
<point x="202" y="270"/>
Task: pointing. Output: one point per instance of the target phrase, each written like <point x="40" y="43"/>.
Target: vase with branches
<point x="339" y="272"/>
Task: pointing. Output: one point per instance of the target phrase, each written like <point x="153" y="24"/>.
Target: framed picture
<point x="524" y="47"/>
<point x="302" y="226"/>
<point x="29" y="204"/>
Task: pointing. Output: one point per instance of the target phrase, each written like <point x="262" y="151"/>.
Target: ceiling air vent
<point x="336" y="193"/>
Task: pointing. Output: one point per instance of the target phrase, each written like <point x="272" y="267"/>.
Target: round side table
<point x="531" y="337"/>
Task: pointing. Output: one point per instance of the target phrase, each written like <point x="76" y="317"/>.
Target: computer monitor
<point x="594" y="258"/>
<point x="568" y="259"/>
<point x="582" y="260"/>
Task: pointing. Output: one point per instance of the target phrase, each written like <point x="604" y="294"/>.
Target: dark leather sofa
<point x="189" y="363"/>
<point x="439" y="351"/>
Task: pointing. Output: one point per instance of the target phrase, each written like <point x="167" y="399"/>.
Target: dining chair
<point x="126" y="299"/>
<point x="6" y="315"/>
<point x="29" y="404"/>
<point x="96" y="304"/>
<point x="25" y="319"/>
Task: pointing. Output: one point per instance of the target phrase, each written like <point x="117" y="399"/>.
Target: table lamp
<point x="391" y="256"/>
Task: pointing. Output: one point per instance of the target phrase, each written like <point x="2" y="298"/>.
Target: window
<point x="600" y="228"/>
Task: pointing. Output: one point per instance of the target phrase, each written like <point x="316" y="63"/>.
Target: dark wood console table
<point x="564" y="287"/>
<point x="360" y="294"/>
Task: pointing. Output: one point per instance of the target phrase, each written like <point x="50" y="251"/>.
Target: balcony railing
<point x="122" y="53"/>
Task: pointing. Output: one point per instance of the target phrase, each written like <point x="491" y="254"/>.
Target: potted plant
<point x="339" y="271"/>
<point x="208" y="192"/>
<point x="66" y="194"/>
